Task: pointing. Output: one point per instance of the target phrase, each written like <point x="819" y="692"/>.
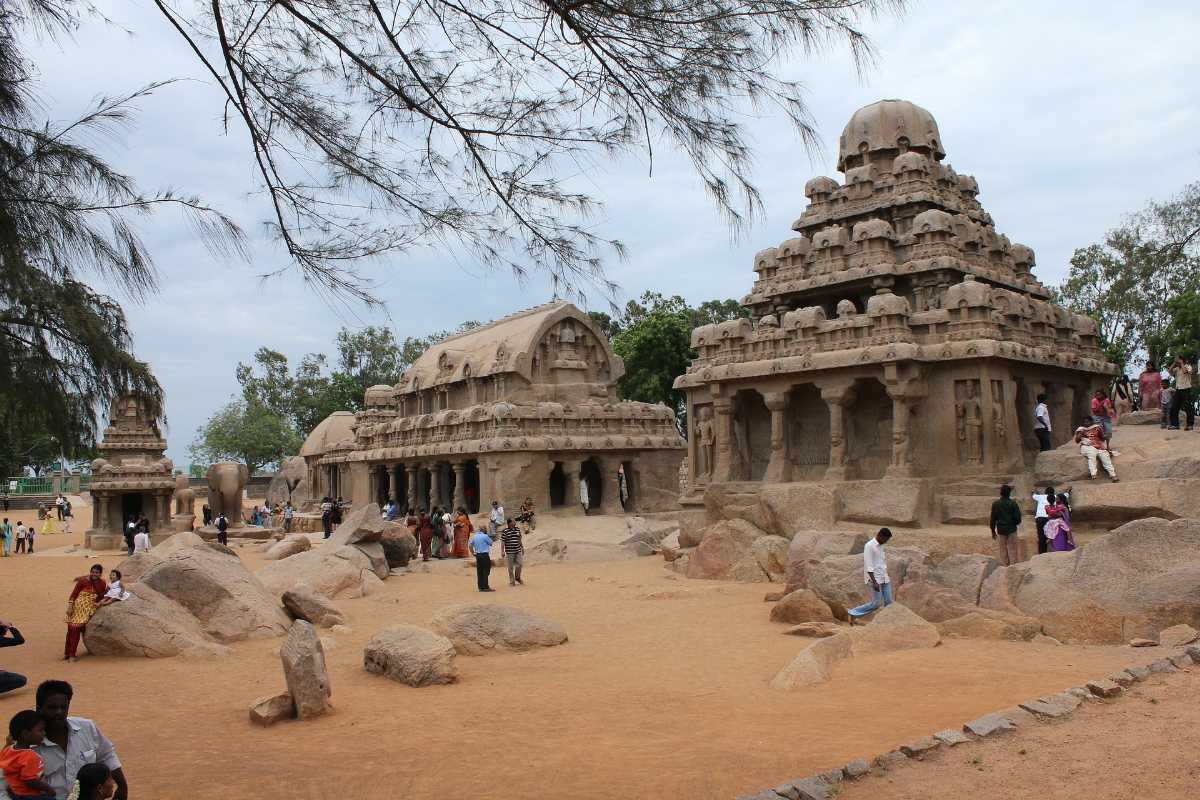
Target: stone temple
<point x="131" y="476"/>
<point x="897" y="334"/>
<point x="525" y="406"/>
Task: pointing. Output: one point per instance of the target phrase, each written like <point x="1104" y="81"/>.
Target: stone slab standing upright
<point x="304" y="670"/>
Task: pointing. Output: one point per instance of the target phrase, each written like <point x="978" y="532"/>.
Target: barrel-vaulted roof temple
<point x="525" y="406"/>
<point x="896" y="334"/>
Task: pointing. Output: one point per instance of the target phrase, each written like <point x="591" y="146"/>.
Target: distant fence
<point x="23" y="485"/>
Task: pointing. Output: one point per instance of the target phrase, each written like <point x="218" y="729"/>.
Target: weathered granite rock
<point x="1122" y="679"/>
<point x="888" y="760"/>
<point x="337" y="572"/>
<point x="802" y="605"/>
<point x="789" y="507"/>
<point x="1139" y="641"/>
<point x="1130" y="500"/>
<point x="1194" y="652"/>
<point x="304" y="670"/>
<point x="727" y="553"/>
<point x="1135" y="581"/>
<point x="989" y="724"/>
<point x="1178" y="636"/>
<point x="375" y="554"/>
<point x="361" y="526"/>
<point x="1180" y="660"/>
<point x="1147" y="417"/>
<point x="288" y="546"/>
<point x="731" y="501"/>
<point x="411" y="655"/>
<point x="803" y="789"/>
<point x="184" y="540"/>
<point x="934" y="602"/>
<point x="896" y="502"/>
<point x="920" y="748"/>
<point x="814" y="630"/>
<point x="840" y="579"/>
<point x="771" y="555"/>
<point x="1102" y="687"/>
<point x="1137" y="673"/>
<point x="479" y="628"/>
<point x="304" y="602"/>
<point x="292" y="470"/>
<point x="269" y="710"/>
<point x="650" y="531"/>
<point x="965" y="573"/>
<point x="135" y="566"/>
<point x="230" y="603"/>
<point x="809" y="547"/>
<point x="399" y="545"/>
<point x="951" y="737"/>
<point x="1053" y="706"/>
<point x="983" y="623"/>
<point x="149" y="625"/>
<point x="856" y="769"/>
<point x="1162" y="666"/>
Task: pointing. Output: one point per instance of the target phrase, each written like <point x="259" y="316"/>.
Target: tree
<point x="65" y="349"/>
<point x="246" y="432"/>
<point x="1127" y="282"/>
<point x="1180" y="335"/>
<point x="655" y="344"/>
<point x="377" y="126"/>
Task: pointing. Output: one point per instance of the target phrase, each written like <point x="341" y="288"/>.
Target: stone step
<point x="975" y="487"/>
<point x="967" y="510"/>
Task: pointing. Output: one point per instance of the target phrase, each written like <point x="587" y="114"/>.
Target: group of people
<point x="88" y="595"/>
<point x="1170" y="397"/>
<point x="51" y="755"/>
<point x="331" y="514"/>
<point x="18" y="538"/>
<point x="137" y="534"/>
<point x="511" y="542"/>
<point x="1052" y="516"/>
<point x="441" y="534"/>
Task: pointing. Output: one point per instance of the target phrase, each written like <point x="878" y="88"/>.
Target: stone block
<point x="1103" y="687"/>
<point x="1137" y="673"/>
<point x="1122" y="679"/>
<point x="1181" y="660"/>
<point x="1162" y="667"/>
<point x="1147" y="417"/>
<point x="1178" y="636"/>
<point x="888" y="760"/>
<point x="900" y="502"/>
<point x="856" y="769"/>
<point x="791" y="507"/>
<point x="919" y="748"/>
<point x="269" y="710"/>
<point x="966" y="510"/>
<point x="1053" y="706"/>
<point x="989" y="725"/>
<point x="951" y="737"/>
<point x="803" y="789"/>
<point x="304" y="670"/>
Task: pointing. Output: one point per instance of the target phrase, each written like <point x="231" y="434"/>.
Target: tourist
<point x="130" y="529"/>
<point x="1092" y="446"/>
<point x="85" y="599"/>
<point x="94" y="782"/>
<point x="495" y="518"/>
<point x="206" y="514"/>
<point x="425" y="535"/>
<point x="1122" y="396"/>
<point x="1058" y="529"/>
<point x="141" y="542"/>
<point x="48" y="524"/>
<point x="1102" y="413"/>
<point x="1181" y="373"/>
<point x="481" y="547"/>
<point x="288" y="514"/>
<point x="876" y="575"/>
<point x="20" y="538"/>
<point x="335" y="513"/>
<point x="10" y="637"/>
<point x="1149" y="388"/>
<point x="116" y="592"/>
<point x="1005" y="519"/>
<point x="1166" y="399"/>
<point x="514" y="551"/>
<point x="327" y="516"/>
<point x="29" y="539"/>
<point x="529" y="511"/>
<point x="71" y="743"/>
<point x="6" y="534"/>
<point x="1042" y="501"/>
<point x="222" y="525"/>
<point x="58" y="506"/>
<point x="462" y="533"/>
<point x="24" y="773"/>
<point x="435" y="525"/>
<point x="1041" y="423"/>
<point x="448" y="525"/>
<point x="68" y="516"/>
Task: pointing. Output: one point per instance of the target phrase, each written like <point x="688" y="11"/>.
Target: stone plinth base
<point x="209" y="533"/>
<point x="103" y="540"/>
<point x="182" y="522"/>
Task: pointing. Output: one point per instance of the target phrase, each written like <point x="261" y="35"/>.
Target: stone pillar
<point x="901" y="466"/>
<point x="610" y="488"/>
<point x="435" y="486"/>
<point x="460" y="484"/>
<point x="160" y="509"/>
<point x="95" y="511"/>
<point x="726" y="447"/>
<point x="571" y="487"/>
<point x="104" y="520"/>
<point x="778" y="468"/>
<point x="393" y="483"/>
<point x="837" y="398"/>
<point x="412" y="471"/>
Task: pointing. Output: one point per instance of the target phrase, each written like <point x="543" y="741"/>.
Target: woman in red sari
<point x="425" y="534"/>
<point x="85" y="599"/>
<point x="462" y="532"/>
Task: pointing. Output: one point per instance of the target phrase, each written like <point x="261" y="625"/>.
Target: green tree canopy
<point x="246" y="432"/>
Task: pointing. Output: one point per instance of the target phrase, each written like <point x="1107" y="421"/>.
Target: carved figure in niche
<point x="845" y="308"/>
<point x="998" y="410"/>
<point x="970" y="425"/>
<point x="708" y="442"/>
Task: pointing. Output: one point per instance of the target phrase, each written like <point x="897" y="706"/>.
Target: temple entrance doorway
<point x="869" y="430"/>
<point x="558" y="486"/>
<point x="807" y="433"/>
<point x="589" y="476"/>
<point x="752" y="435"/>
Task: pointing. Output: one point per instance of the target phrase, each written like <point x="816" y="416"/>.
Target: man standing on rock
<point x="481" y="547"/>
<point x="1006" y="517"/>
<point x="876" y="575"/>
<point x="1041" y="423"/>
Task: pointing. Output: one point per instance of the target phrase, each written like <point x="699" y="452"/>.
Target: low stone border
<point x="824" y="785"/>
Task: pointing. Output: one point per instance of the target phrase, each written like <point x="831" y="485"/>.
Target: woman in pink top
<point x="1149" y="388"/>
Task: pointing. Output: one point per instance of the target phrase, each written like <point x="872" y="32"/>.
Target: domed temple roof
<point x="896" y="125"/>
<point x="328" y="432"/>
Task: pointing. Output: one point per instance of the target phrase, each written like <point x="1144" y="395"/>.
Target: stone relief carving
<point x="969" y="417"/>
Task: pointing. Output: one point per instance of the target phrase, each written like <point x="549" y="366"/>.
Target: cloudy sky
<point x="1069" y="114"/>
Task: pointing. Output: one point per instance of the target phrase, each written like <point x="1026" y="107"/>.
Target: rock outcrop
<point x="736" y="550"/>
<point x="411" y="655"/>
<point x="148" y="625"/>
<point x="399" y="545"/>
<point x="343" y="571"/>
<point x="304" y="602"/>
<point x="802" y="605"/>
<point x="361" y="526"/>
<point x="292" y="470"/>
<point x="811" y="547"/>
<point x="479" y="628"/>
<point x="304" y="670"/>
<point x="840" y="579"/>
<point x="291" y="545"/>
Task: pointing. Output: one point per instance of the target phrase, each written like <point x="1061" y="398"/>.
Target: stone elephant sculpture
<point x="185" y="496"/>
<point x="226" y="480"/>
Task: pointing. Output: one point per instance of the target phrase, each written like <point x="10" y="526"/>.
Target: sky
<point x="1069" y="114"/>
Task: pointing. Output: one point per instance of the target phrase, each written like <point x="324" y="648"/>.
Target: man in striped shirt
<point x="514" y="552"/>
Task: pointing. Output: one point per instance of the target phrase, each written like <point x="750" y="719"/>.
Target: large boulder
<point x="411" y="655"/>
<point x="933" y="602"/>
<point x="1133" y="582"/>
<point x="184" y="540"/>
<point x="728" y="552"/>
<point x="377" y="556"/>
<point x="291" y="545"/>
<point x="304" y="670"/>
<point x="133" y="568"/>
<point x="1060" y="467"/>
<point x="150" y="625"/>
<point x="360" y="526"/>
<point x="479" y="628"/>
<point x="303" y="602"/>
<point x="1116" y="503"/>
<point x="893" y="628"/>
<point x="220" y="592"/>
<point x="802" y="605"/>
<point x="840" y="579"/>
<point x="898" y="502"/>
<point x="648" y="530"/>
<point x="790" y="507"/>
<point x="731" y="501"/>
<point x="295" y="471"/>
<point x="811" y="547"/>
<point x="399" y="545"/>
<point x="964" y="573"/>
<point x="1147" y="417"/>
<point x="982" y="623"/>
<point x="334" y="572"/>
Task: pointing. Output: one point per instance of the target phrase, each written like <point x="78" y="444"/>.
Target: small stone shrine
<point x="525" y="406"/>
<point x="131" y="477"/>
<point x="898" y="334"/>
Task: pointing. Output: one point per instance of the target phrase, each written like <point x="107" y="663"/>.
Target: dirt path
<point x="1142" y="745"/>
<point x="661" y="691"/>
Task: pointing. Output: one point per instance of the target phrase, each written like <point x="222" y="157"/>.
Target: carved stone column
<point x="778" y="468"/>
<point x="460" y="484"/>
<point x="393" y="483"/>
<point x="610" y="487"/>
<point x="104" y="520"/>
<point x="901" y="466"/>
<point x="413" y="471"/>
<point x="435" y="486"/>
<point x="95" y="512"/>
<point x="837" y="397"/>
<point x="571" y="487"/>
<point x="723" y="409"/>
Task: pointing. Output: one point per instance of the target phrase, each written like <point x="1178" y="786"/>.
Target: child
<point x="94" y="782"/>
<point x="116" y="592"/>
<point x="21" y="537"/>
<point x="22" y="766"/>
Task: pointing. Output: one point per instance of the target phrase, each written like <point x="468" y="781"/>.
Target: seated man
<point x="1093" y="446"/>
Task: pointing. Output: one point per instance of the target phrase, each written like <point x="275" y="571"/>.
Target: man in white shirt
<point x="875" y="575"/>
<point x="72" y="742"/>
<point x="1041" y="423"/>
<point x="141" y="542"/>
<point x="1040" y="517"/>
<point x="495" y="518"/>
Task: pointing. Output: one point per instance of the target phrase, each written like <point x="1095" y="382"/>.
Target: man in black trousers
<point x="481" y="547"/>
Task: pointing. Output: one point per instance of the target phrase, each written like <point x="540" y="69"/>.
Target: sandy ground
<point x="661" y="691"/>
<point x="1141" y="745"/>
